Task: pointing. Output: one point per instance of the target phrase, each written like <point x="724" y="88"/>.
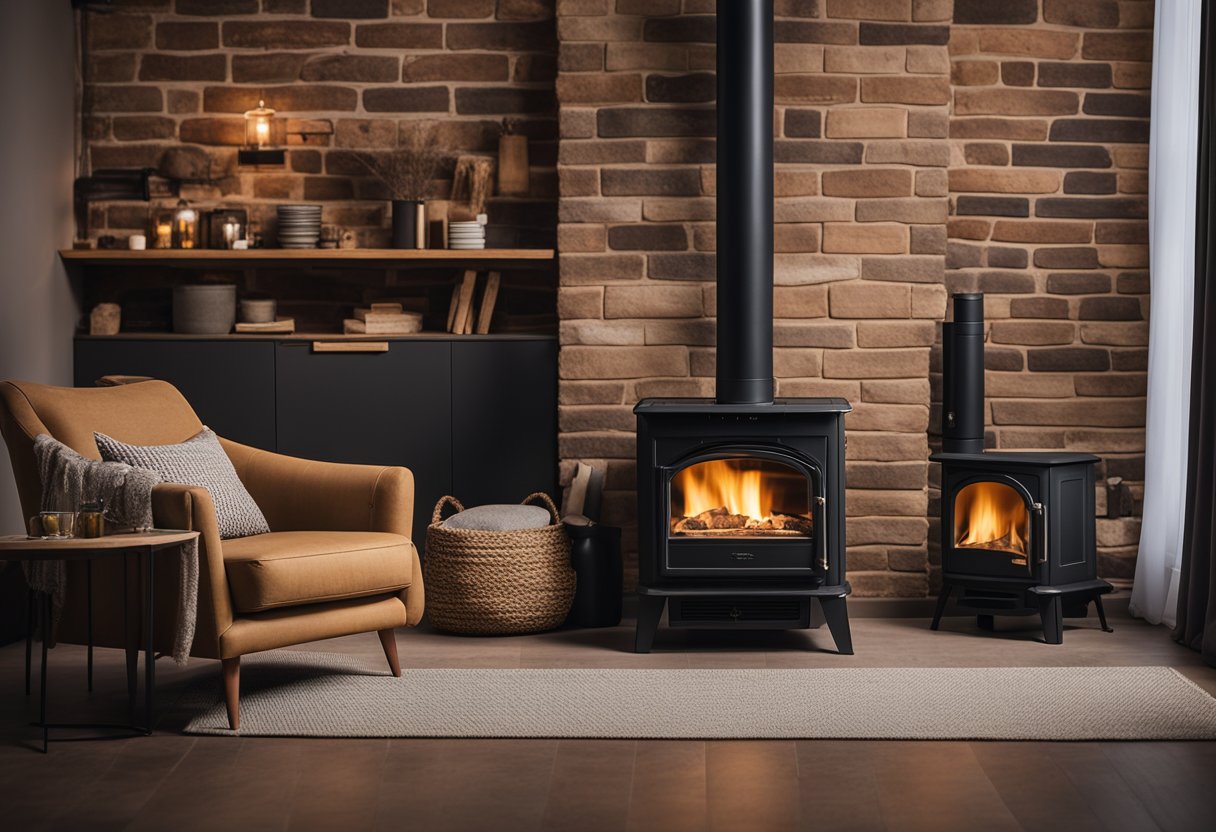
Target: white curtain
<point x="1173" y="143"/>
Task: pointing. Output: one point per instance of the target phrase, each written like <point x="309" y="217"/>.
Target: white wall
<point x="37" y="100"/>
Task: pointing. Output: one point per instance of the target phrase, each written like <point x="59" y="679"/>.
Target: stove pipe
<point x="745" y="202"/>
<point x="963" y="376"/>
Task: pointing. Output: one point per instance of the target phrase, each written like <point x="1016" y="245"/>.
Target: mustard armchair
<point x="338" y="560"/>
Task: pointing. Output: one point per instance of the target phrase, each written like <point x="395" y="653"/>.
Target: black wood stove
<point x="741" y="498"/>
<point x="1018" y="531"/>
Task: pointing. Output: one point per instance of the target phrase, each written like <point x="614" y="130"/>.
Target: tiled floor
<point x="170" y="781"/>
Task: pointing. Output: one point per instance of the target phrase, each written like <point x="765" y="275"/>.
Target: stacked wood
<point x="383" y="319"/>
<point x="722" y="521"/>
<point x="464" y="317"/>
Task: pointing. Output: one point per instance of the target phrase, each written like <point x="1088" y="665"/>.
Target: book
<point x="278" y="326"/>
<point x="488" y="299"/>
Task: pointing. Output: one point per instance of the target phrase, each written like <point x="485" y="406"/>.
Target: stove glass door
<point x="993" y="517"/>
<point x="741" y="497"/>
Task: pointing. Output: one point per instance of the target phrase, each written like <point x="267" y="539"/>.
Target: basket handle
<point x="437" y="515"/>
<point x="547" y="500"/>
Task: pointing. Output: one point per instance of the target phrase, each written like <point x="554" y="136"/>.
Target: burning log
<point x="721" y="520"/>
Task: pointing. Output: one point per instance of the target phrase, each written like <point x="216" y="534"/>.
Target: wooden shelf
<point x="354" y="258"/>
<point x="316" y="336"/>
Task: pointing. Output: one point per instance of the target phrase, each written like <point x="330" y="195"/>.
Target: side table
<point x="142" y="547"/>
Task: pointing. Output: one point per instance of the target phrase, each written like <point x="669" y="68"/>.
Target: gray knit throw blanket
<point x="68" y="479"/>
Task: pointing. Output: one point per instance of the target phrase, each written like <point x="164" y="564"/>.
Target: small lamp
<point x="263" y="138"/>
<point x="185" y="225"/>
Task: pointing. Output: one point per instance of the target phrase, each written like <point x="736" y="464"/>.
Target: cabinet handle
<point x="350" y="346"/>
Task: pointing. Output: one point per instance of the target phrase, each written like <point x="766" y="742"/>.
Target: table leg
<point x="131" y="642"/>
<point x="31" y="610"/>
<point x="45" y="606"/>
<point x="88" y="582"/>
<point x="150" y="655"/>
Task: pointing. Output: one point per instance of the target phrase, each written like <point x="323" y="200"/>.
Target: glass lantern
<point x="162" y="229"/>
<point x="185" y="225"/>
<point x="264" y="134"/>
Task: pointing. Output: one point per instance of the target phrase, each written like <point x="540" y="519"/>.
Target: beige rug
<point x="317" y="695"/>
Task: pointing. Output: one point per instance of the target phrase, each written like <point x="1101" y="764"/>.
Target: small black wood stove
<point x="1017" y="527"/>
<point x="741" y="498"/>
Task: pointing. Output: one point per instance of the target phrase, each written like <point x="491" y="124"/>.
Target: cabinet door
<point x="504" y="420"/>
<point x="230" y="384"/>
<point x="387" y="408"/>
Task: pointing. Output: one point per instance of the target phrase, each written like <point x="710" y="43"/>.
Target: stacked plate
<point x="299" y="226"/>
<point x="466" y="235"/>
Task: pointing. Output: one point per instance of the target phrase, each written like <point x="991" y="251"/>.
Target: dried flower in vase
<point x="407" y="172"/>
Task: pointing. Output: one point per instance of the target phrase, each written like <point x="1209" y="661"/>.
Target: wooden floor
<point x="170" y="781"/>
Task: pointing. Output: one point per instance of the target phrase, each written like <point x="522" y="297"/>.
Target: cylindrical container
<point x="137" y="242"/>
<point x="90" y="519"/>
<point x="595" y="554"/>
<point x="513" y="165"/>
<point x="420" y="225"/>
<point x="963" y="376"/>
<point x="208" y="309"/>
<point x="57" y="523"/>
<point x="257" y="310"/>
<point x="405" y="223"/>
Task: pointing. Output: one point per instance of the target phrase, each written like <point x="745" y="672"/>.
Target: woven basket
<point x="489" y="583"/>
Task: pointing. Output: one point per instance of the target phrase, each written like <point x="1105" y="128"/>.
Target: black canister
<point x="595" y="554"/>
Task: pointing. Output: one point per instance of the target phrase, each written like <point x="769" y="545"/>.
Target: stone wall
<point x="349" y="75"/>
<point x="922" y="146"/>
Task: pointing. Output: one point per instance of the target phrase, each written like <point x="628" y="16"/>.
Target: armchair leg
<point x="388" y="640"/>
<point x="232" y="691"/>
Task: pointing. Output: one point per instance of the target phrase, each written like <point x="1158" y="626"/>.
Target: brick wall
<point x="922" y="145"/>
<point x="168" y="80"/>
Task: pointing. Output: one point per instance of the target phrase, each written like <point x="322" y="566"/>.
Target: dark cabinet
<point x="230" y="384"/>
<point x="378" y="408"/>
<point x="504" y="420"/>
<point x="473" y="417"/>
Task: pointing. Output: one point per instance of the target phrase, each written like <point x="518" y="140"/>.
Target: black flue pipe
<point x="963" y="376"/>
<point x="745" y="202"/>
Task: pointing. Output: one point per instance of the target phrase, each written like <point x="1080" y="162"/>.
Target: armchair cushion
<point x="200" y="460"/>
<point x="282" y="569"/>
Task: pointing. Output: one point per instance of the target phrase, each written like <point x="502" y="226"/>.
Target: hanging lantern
<point x="185" y="225"/>
<point x="264" y="135"/>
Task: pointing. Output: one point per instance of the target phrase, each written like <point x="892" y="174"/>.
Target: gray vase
<point x="204" y="310"/>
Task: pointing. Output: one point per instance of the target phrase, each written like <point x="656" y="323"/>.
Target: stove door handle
<point x="820" y="530"/>
<point x="1040" y="532"/>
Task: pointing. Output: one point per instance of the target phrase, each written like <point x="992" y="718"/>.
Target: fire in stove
<point x="740" y="498"/>
<point x="990" y="515"/>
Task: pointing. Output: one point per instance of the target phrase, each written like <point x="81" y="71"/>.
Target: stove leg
<point x="943" y="598"/>
<point x="1051" y="611"/>
<point x="1106" y="628"/>
<point x="837" y="615"/>
<point x="650" y="611"/>
<point x="985" y="622"/>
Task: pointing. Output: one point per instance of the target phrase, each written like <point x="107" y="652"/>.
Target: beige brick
<point x="922" y="153"/>
<point x="660" y="300"/>
<point x="870" y="9"/>
<point x="1032" y="43"/>
<point x="800" y="301"/>
<point x="871" y="238"/>
<point x="1114" y="413"/>
<point x="579" y="362"/>
<point x="803" y="269"/>
<point x="1032" y="333"/>
<point x="793" y="57"/>
<point x="870" y="300"/>
<point x="928" y="60"/>
<point x="867" y="183"/>
<point x="590" y="392"/>
<point x="797" y="362"/>
<point x="1027" y="386"/>
<point x="1015" y="102"/>
<point x="867" y="122"/>
<point x="1035" y="231"/>
<point x="813" y="334"/>
<point x="900" y="417"/>
<point x="904" y="89"/>
<point x="912" y="211"/>
<point x="896" y="391"/>
<point x="867" y="503"/>
<point x="932" y="183"/>
<point x="921" y="268"/>
<point x="900" y="530"/>
<point x="977" y="180"/>
<point x="859" y="60"/>
<point x="790" y="183"/>
<point x="813" y="210"/>
<point x="871" y="334"/>
<point x="602" y="333"/>
<point x="597" y="268"/>
<point x="888" y="447"/>
<point x="581" y="238"/>
<point x="871" y="364"/>
<point x="580" y="302"/>
<point x="1130" y="334"/>
<point x="928" y="301"/>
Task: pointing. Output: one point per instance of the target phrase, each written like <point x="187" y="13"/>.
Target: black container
<point x="405" y="223"/>
<point x="963" y="376"/>
<point x="595" y="554"/>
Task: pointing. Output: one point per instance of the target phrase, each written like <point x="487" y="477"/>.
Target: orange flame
<point x="723" y="482"/>
<point x="989" y="515"/>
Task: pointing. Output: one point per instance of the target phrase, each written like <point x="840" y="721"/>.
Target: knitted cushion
<point x="200" y="460"/>
<point x="496" y="518"/>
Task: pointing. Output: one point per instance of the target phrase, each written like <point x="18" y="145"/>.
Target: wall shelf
<point x="515" y="258"/>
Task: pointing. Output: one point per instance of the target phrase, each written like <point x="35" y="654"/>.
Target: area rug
<point x="297" y="694"/>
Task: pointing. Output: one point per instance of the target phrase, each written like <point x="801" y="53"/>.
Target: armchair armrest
<point x="305" y="495"/>
<point x="189" y="507"/>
